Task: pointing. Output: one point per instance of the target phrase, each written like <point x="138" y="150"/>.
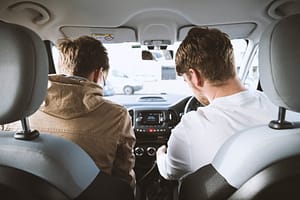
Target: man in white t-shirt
<point x="206" y="62"/>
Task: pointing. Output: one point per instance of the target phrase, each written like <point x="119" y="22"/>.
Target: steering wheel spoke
<point x="192" y="104"/>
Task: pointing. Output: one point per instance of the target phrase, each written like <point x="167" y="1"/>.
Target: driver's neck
<point x="230" y="87"/>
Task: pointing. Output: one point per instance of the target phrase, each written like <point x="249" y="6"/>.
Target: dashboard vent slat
<point x="152" y="99"/>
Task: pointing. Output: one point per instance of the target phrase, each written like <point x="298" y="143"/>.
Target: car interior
<point x="261" y="162"/>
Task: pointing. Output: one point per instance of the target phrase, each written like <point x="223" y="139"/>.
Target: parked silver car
<point x="121" y="83"/>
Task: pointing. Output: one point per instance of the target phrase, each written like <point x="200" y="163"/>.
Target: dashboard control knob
<point x="138" y="119"/>
<point x="139" y="151"/>
<point x="151" y="151"/>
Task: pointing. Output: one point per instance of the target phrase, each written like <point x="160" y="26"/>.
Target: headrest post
<point x="26" y="134"/>
<point x="25" y="125"/>
<point x="281" y="123"/>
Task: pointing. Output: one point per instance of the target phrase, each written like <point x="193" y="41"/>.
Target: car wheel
<point x="128" y="90"/>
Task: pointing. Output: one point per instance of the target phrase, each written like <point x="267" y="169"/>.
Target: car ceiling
<point x="140" y="20"/>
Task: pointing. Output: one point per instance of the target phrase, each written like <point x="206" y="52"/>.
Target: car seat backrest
<point x="261" y="150"/>
<point x="33" y="165"/>
<point x="23" y="76"/>
<point x="59" y="162"/>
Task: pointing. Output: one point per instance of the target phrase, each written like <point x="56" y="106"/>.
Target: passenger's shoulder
<point x="14" y="126"/>
<point x="113" y="105"/>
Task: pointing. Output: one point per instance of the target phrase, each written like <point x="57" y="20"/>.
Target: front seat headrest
<point x="23" y="72"/>
<point x="279" y="58"/>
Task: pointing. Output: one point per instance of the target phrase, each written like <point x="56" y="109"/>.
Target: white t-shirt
<point x="196" y="139"/>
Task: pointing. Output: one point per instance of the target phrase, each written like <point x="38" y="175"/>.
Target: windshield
<point x="134" y="81"/>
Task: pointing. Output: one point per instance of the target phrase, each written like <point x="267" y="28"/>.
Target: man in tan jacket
<point x="75" y="109"/>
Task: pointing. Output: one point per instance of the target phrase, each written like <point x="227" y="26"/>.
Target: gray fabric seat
<point x="262" y="162"/>
<point x="37" y="165"/>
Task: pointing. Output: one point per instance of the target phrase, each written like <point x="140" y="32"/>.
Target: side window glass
<point x="252" y="76"/>
<point x="239" y="49"/>
<point x="55" y="55"/>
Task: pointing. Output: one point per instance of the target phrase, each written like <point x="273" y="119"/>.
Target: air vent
<point x="151" y="99"/>
<point x="173" y="118"/>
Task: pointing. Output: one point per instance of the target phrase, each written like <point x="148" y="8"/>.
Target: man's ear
<point x="196" y="77"/>
<point x="96" y="75"/>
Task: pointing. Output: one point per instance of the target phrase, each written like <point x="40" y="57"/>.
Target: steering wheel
<point x="191" y="104"/>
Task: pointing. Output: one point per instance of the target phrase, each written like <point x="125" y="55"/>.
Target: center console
<point x="150" y="124"/>
<point x="152" y="128"/>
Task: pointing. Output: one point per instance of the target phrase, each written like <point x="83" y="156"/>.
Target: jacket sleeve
<point x="125" y="158"/>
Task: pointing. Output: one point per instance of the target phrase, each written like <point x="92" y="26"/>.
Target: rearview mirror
<point x="157" y="54"/>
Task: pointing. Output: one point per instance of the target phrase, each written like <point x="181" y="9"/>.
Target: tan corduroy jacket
<point x="75" y="109"/>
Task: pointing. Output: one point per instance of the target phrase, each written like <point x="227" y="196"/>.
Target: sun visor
<point x="235" y="31"/>
<point x="105" y="35"/>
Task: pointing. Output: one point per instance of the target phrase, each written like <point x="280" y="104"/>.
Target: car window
<point x="55" y="55"/>
<point x="252" y="75"/>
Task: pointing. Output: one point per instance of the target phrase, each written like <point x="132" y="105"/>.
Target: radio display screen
<point x="151" y="118"/>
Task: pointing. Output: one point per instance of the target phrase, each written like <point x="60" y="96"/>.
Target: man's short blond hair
<point x="82" y="56"/>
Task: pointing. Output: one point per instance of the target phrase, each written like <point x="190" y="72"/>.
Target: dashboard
<point x="152" y="126"/>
